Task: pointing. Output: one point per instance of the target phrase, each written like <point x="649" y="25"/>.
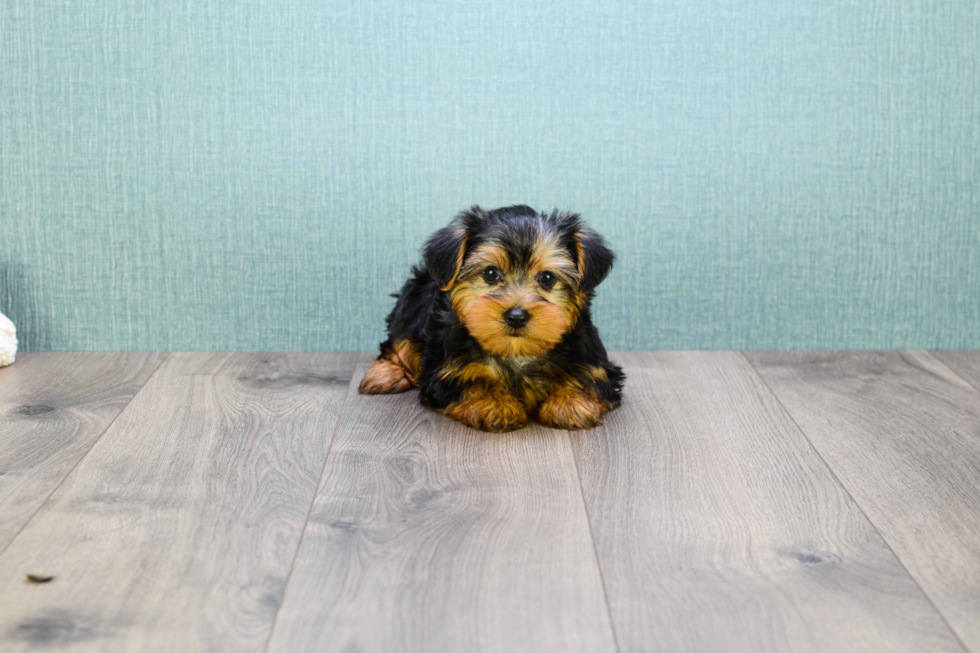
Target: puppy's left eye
<point x="547" y="279"/>
<point x="491" y="275"/>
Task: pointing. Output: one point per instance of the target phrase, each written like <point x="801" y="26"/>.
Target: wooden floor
<point x="758" y="501"/>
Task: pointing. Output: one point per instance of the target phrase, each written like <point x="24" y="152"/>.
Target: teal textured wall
<point x="260" y="175"/>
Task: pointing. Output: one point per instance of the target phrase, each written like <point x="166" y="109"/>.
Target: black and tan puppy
<point x="497" y="326"/>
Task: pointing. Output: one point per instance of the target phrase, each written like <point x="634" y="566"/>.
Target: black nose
<point x="516" y="317"/>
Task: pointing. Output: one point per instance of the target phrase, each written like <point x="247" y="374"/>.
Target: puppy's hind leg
<point x="397" y="370"/>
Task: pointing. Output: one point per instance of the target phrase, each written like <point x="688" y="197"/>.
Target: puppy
<point x="496" y="326"/>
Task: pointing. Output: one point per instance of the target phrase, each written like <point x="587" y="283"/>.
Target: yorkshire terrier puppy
<point x="496" y="326"/>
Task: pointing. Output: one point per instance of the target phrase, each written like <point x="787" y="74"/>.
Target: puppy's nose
<point x="516" y="317"/>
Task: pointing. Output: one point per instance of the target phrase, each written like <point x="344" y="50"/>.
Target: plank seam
<point x="847" y="490"/>
<point x="316" y="493"/>
<point x="78" y="462"/>
<point x="595" y="550"/>
<point x="939" y="361"/>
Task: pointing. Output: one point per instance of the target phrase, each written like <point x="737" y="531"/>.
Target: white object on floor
<point x="8" y="341"/>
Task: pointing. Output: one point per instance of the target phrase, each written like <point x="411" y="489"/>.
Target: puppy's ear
<point x="445" y="250"/>
<point x="593" y="257"/>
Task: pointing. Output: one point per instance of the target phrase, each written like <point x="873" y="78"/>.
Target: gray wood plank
<point x="902" y="433"/>
<point x="966" y="364"/>
<point x="430" y="536"/>
<point x="177" y="531"/>
<point x="718" y="528"/>
<point x="53" y="408"/>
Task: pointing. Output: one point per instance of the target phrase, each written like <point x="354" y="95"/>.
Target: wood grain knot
<point x="280" y="381"/>
<point x="422" y="498"/>
<point x="54" y="629"/>
<point x="818" y="558"/>
<point x="35" y="409"/>
<point x="408" y="469"/>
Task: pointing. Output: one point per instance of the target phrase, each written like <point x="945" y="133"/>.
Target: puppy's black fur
<point x="428" y="338"/>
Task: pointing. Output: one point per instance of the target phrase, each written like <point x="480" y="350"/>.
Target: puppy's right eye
<point x="491" y="275"/>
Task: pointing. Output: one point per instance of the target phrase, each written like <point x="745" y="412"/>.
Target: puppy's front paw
<point x="488" y="409"/>
<point x="384" y="377"/>
<point x="571" y="409"/>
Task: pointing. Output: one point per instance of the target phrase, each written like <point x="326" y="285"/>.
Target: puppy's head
<point x="517" y="279"/>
